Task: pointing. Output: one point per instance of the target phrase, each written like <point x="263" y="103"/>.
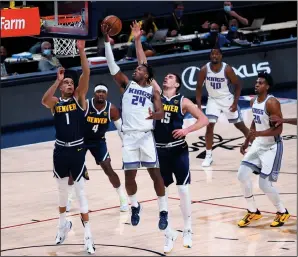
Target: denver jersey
<point x="173" y="119"/>
<point x="262" y="122"/>
<point x="96" y="122"/>
<point x="217" y="85"/>
<point x="69" y="120"/>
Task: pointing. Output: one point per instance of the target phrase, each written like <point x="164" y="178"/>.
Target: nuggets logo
<point x="105" y="113"/>
<point x="176" y="101"/>
<point x="86" y="174"/>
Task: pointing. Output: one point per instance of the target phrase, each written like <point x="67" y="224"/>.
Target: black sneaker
<point x="163" y="220"/>
<point x="135" y="215"/>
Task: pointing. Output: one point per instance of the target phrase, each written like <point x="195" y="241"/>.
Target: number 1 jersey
<point x="68" y="120"/>
<point x="136" y="100"/>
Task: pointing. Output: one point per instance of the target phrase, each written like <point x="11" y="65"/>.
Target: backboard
<point x="67" y="19"/>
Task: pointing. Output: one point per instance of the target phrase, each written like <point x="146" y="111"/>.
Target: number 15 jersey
<point x="163" y="132"/>
<point x="136" y="101"/>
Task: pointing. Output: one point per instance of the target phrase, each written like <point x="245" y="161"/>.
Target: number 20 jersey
<point x="217" y="85"/>
<point x="136" y="100"/>
<point x="163" y="132"/>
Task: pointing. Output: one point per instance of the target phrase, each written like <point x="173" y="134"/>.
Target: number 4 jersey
<point x="173" y="119"/>
<point x="69" y="121"/>
<point x="217" y="85"/>
<point x="136" y="100"/>
<point x="96" y="122"/>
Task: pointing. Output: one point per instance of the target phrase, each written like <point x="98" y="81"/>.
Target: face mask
<point x="233" y="28"/>
<point x="3" y="58"/>
<point x="47" y="51"/>
<point x="179" y="13"/>
<point x="227" y="8"/>
<point x="213" y="32"/>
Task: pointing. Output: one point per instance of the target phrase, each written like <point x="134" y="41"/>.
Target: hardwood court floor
<point x="29" y="203"/>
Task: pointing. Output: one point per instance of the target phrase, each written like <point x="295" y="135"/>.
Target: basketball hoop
<point x="64" y="46"/>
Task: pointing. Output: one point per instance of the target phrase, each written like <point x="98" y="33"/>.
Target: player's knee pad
<point x="243" y="173"/>
<point x="63" y="191"/>
<point x="265" y="185"/>
<point x="183" y="190"/>
<point x="80" y="192"/>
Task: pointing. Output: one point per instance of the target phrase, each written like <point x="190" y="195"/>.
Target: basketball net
<point x="66" y="46"/>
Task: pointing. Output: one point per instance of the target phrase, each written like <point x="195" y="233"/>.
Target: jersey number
<point x="215" y="85"/>
<point x="138" y="99"/>
<point x="167" y="117"/>
<point x="257" y="119"/>
<point x="95" y="128"/>
<point x="67" y="118"/>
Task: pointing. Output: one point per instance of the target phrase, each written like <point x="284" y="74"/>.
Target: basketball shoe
<point x="135" y="215"/>
<point x="187" y="238"/>
<point x="89" y="245"/>
<point x="207" y="161"/>
<point x="123" y="204"/>
<point x="280" y="219"/>
<point x="250" y="216"/>
<point x="62" y="232"/>
<point x="163" y="220"/>
<point x="170" y="239"/>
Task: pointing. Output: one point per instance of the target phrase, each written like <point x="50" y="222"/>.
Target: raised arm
<point x="200" y="81"/>
<point x="137" y="33"/>
<point x="230" y="74"/>
<point x="82" y="89"/>
<point x="120" y="78"/>
<point x="202" y="120"/>
<point x="48" y="99"/>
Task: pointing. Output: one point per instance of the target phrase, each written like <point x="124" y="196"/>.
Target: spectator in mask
<point x="224" y="17"/>
<point x="48" y="61"/>
<point x="214" y="38"/>
<point x="3" y="55"/>
<point x="177" y="23"/>
<point x="233" y="31"/>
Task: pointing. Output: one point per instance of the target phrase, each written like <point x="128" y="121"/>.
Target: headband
<point x="100" y="87"/>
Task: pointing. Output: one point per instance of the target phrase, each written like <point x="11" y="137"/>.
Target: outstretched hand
<point x="105" y="28"/>
<point x="81" y="44"/>
<point x="60" y="73"/>
<point x="136" y="30"/>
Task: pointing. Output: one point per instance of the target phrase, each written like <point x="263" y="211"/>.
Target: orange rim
<point x="64" y="19"/>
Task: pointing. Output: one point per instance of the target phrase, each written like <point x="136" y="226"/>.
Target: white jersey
<point x="217" y="84"/>
<point x="262" y="122"/>
<point x="136" y="101"/>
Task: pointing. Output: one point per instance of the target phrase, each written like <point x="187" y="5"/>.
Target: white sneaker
<point x="89" y="245"/>
<point x="124" y="207"/>
<point x="62" y="232"/>
<point x="208" y="161"/>
<point x="169" y="241"/>
<point x="187" y="238"/>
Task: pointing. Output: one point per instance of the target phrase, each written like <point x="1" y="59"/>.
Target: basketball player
<point x="278" y="121"/>
<point x="264" y="156"/>
<point x="98" y="115"/>
<point x="218" y="76"/>
<point x="141" y="105"/>
<point x="172" y="148"/>
<point x="69" y="156"/>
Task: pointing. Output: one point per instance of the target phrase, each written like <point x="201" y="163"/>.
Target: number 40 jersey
<point x="173" y="119"/>
<point x="136" y="100"/>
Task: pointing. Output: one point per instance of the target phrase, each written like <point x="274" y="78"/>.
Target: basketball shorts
<point x="217" y="106"/>
<point x="174" y="161"/>
<point x="264" y="159"/>
<point x="70" y="160"/>
<point x="139" y="150"/>
<point x="98" y="149"/>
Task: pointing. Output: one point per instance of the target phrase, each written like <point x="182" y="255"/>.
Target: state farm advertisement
<point x="20" y="22"/>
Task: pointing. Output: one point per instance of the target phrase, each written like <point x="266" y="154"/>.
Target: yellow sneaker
<point x="249" y="217"/>
<point x="280" y="219"/>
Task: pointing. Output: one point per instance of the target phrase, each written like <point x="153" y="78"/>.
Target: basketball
<point x="115" y="24"/>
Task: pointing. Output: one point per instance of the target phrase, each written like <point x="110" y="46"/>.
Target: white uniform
<point x="139" y="148"/>
<point x="265" y="154"/>
<point x="220" y="97"/>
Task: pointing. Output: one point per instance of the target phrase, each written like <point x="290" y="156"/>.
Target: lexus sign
<point x="189" y="75"/>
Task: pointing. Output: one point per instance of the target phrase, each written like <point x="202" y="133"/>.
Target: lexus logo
<point x="189" y="79"/>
